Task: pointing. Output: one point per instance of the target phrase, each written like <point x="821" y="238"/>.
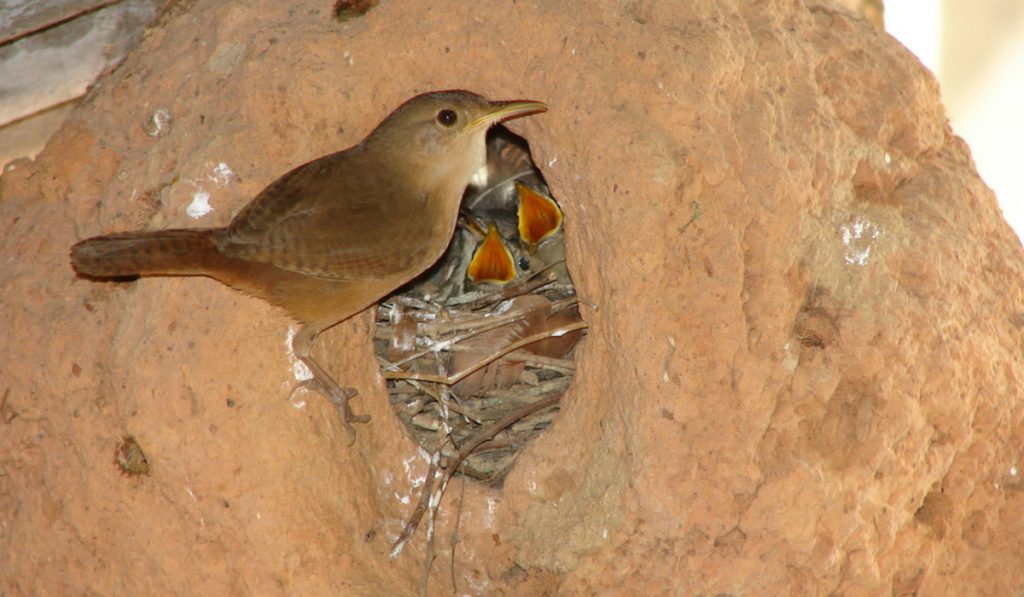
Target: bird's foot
<point x="339" y="397"/>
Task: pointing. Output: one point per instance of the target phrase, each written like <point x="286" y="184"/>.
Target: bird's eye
<point x="447" y="117"/>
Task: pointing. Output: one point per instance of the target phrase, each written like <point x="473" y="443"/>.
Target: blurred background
<point x="52" y="50"/>
<point x="976" y="50"/>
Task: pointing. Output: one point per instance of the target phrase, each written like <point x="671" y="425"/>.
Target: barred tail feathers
<point x="167" y="252"/>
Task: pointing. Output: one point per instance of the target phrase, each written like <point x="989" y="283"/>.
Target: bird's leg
<point x="302" y="346"/>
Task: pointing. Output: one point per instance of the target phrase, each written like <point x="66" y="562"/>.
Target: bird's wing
<point x="322" y="219"/>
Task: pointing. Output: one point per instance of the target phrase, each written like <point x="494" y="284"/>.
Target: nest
<point x="479" y="349"/>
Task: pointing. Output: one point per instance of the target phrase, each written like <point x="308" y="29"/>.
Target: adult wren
<point x="335" y="235"/>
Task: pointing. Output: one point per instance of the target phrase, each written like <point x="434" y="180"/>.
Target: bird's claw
<point x="339" y="397"/>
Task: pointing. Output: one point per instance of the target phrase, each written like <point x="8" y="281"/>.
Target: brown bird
<point x="333" y="236"/>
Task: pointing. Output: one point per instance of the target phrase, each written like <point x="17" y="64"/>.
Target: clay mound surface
<point x="802" y="373"/>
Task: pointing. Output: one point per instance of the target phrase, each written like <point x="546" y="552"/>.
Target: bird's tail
<point x="128" y="254"/>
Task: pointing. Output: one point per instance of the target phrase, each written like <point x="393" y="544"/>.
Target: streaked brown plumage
<point x="335" y="235"/>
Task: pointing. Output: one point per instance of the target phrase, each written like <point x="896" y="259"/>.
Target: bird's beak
<point x="502" y="111"/>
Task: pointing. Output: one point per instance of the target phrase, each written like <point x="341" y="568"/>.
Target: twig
<point x="538" y="280"/>
<point x="463" y="320"/>
<point x="455" y="531"/>
<point x="421" y="506"/>
<point x="565" y="366"/>
<point x="454" y="379"/>
<point x="488" y="324"/>
<point x="483" y="324"/>
<point x="467" y="449"/>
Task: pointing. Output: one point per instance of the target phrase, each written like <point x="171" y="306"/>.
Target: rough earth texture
<point x="803" y="371"/>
